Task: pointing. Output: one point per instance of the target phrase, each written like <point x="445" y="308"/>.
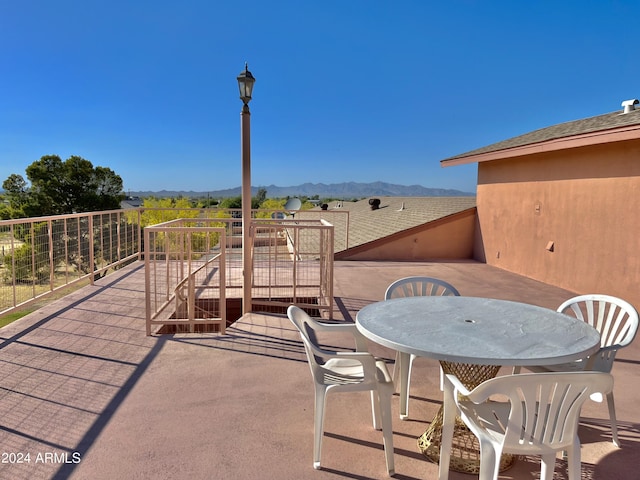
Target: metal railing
<point x="39" y="256"/>
<point x="186" y="275"/>
<point x="42" y="255"/>
<point x="193" y="271"/>
<point x="338" y="218"/>
<point x="292" y="262"/>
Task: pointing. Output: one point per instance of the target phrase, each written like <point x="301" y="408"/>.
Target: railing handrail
<point x="181" y="284"/>
<point x="63" y="251"/>
<point x="122" y="227"/>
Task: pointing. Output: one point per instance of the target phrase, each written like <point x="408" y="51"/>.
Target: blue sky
<point x="346" y="90"/>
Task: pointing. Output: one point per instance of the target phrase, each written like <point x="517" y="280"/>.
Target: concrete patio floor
<point x="87" y="395"/>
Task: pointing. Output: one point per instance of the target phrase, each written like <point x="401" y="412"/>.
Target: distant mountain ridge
<point x="346" y="190"/>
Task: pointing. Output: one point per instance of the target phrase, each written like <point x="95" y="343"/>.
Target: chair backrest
<point x="545" y="407"/>
<point x="419" y="287"/>
<point x="614" y="318"/>
<point x="347" y="370"/>
<point x="304" y="323"/>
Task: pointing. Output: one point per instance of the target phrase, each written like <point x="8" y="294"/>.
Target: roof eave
<point x="631" y="132"/>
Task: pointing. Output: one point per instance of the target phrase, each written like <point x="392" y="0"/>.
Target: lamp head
<point x="245" y="83"/>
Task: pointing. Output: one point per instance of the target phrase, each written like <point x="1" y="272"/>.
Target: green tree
<point x="269" y="205"/>
<point x="109" y="188"/>
<point x="17" y="194"/>
<point x="162" y="210"/>
<point x="260" y="197"/>
<point x="231" y="202"/>
<point x="273" y="204"/>
<point x="59" y="187"/>
<point x="159" y="210"/>
<point x="236" y="202"/>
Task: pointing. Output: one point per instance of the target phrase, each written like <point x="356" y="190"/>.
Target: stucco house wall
<point x="566" y="217"/>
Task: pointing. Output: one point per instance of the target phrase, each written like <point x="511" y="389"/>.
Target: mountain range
<point x="346" y="190"/>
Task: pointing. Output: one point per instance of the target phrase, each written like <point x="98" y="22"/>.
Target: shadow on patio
<point x="87" y="395"/>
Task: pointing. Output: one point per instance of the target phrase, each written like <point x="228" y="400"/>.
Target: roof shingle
<point x="396" y="214"/>
<point x="598" y="123"/>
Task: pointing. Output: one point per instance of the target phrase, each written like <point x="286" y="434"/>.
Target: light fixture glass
<point x="245" y="83"/>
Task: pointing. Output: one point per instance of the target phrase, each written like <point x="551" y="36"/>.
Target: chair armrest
<point x="333" y="327"/>
<point x="362" y="357"/>
<point x="321" y="352"/>
<point x="615" y="347"/>
<point x="365" y="358"/>
<point x="603" y="359"/>
<point x="453" y="382"/>
<point x="361" y="340"/>
<point x="478" y="395"/>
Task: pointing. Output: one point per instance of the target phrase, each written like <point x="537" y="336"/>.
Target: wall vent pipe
<point x="629" y="105"/>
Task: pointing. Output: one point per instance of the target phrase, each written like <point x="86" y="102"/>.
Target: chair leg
<point x="548" y="466"/>
<point x="375" y="410"/>
<point x="612" y="416"/>
<point x="489" y="462"/>
<point x="448" y="421"/>
<point x="404" y="360"/>
<point x="384" y="394"/>
<point x="318" y="427"/>
<point x="409" y="370"/>
<point x="573" y="461"/>
<point x="396" y="372"/>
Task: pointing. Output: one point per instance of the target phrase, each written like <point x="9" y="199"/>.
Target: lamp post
<point x="245" y="83"/>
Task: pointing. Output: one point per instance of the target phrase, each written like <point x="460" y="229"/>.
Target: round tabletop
<point x="476" y="330"/>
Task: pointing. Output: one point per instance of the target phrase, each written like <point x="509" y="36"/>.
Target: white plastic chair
<point x="540" y="417"/>
<point x="413" y="287"/>
<point x="342" y="371"/>
<point x="617" y="322"/>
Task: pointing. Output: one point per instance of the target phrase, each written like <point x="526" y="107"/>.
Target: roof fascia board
<point x="586" y="139"/>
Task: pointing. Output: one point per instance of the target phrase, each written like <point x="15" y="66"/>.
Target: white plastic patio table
<point x="458" y="330"/>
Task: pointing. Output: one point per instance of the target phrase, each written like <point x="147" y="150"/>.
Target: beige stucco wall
<point x="448" y="238"/>
<point x="585" y="201"/>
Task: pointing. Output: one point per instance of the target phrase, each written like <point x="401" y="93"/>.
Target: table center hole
<point x="468" y="320"/>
